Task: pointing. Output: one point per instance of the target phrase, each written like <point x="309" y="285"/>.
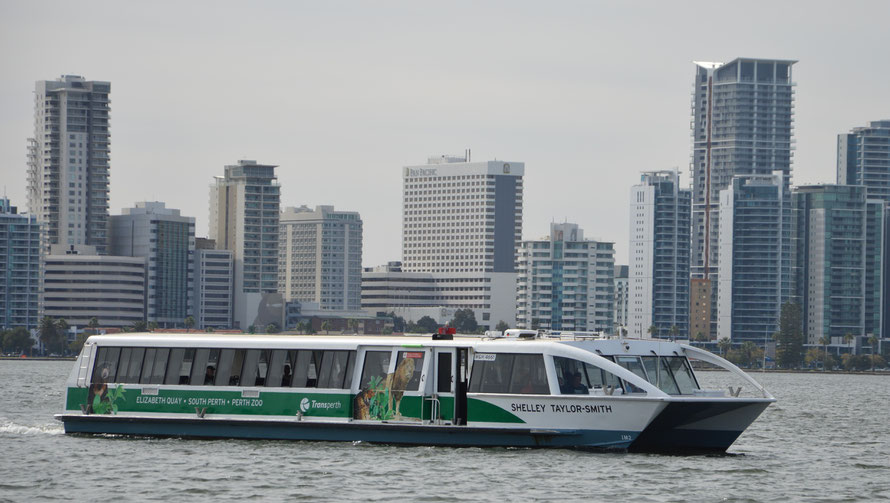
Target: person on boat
<point x="285" y="379"/>
<point x="577" y="387"/>
<point x="209" y="375"/>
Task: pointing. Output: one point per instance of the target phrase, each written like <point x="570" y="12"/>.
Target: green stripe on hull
<point x="279" y="403"/>
<point x="224" y="402"/>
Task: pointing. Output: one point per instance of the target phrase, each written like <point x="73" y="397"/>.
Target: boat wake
<point x="12" y="428"/>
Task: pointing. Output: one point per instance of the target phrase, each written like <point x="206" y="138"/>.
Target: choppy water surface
<point x="827" y="439"/>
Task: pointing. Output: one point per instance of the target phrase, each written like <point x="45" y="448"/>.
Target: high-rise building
<point x="80" y="285"/>
<point x="621" y="296"/>
<point x="214" y="284"/>
<point x="166" y="240"/>
<point x="566" y="282"/>
<point x="863" y="158"/>
<point x="68" y="161"/>
<point x="244" y="205"/>
<point x="741" y="125"/>
<point x="885" y="276"/>
<point x="755" y="257"/>
<point x="20" y="254"/>
<point x="462" y="223"/>
<point x="320" y="257"/>
<point x="837" y="261"/>
<point x="658" y="279"/>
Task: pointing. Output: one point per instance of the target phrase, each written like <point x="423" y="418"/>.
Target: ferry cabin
<point x="414" y="390"/>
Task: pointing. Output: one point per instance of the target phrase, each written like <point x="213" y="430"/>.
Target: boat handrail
<point x="709" y="357"/>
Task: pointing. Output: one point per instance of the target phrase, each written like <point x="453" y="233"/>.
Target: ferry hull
<point x="706" y="426"/>
<point x="405" y="434"/>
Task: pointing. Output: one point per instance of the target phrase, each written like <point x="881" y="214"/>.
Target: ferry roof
<point x="604" y="346"/>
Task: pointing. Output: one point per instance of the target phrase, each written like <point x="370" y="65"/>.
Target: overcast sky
<point x="341" y="95"/>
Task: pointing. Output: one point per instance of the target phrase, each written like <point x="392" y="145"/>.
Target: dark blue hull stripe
<point x="463" y="436"/>
<point x="669" y="432"/>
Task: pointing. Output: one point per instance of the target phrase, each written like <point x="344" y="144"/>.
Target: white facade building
<point x="68" y="161"/>
<point x="462" y="223"/>
<point x="566" y="282"/>
<point x="79" y="285"/>
<point x="658" y="272"/>
<point x="320" y="257"/>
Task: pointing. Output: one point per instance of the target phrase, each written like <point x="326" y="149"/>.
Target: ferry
<point x="514" y="389"/>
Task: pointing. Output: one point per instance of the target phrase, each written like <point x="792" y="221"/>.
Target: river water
<point x="826" y="439"/>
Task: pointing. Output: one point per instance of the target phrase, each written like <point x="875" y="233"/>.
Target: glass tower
<point x="742" y="115"/>
<point x="863" y="158"/>
<point x="659" y="256"/>
<point x="837" y="261"/>
<point x="755" y="257"/>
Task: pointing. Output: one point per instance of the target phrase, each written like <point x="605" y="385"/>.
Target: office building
<point x="837" y="261"/>
<point x="566" y="282"/>
<point x="20" y="254"/>
<point x="68" y="161"/>
<point x="755" y="257"/>
<point x="741" y="125"/>
<point x="462" y="223"/>
<point x="80" y="285"/>
<point x="658" y="279"/>
<point x="166" y="240"/>
<point x="244" y="212"/>
<point x="621" y="296"/>
<point x="320" y="257"/>
<point x="214" y="285"/>
<point x="863" y="158"/>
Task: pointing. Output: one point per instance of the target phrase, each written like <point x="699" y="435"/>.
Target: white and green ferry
<point x="515" y="389"/>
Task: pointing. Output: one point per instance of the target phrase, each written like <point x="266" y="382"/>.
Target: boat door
<point x="450" y="385"/>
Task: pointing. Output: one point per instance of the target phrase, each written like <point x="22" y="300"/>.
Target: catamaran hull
<point x="405" y="434"/>
<point x="699" y="425"/>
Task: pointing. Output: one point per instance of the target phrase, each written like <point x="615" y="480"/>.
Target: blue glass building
<point x="19" y="268"/>
<point x="755" y="257"/>
<point x="838" y="237"/>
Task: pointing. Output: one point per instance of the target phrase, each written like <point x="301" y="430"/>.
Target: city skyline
<point x="539" y="86"/>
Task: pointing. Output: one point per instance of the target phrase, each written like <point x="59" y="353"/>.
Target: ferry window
<point x="106" y="364"/>
<point x="185" y="369"/>
<point x="147" y="364"/>
<point x="683" y="374"/>
<point x="124" y="365"/>
<point x="174" y="366"/>
<point x="491" y="374"/>
<point x="633" y="364"/>
<point x="249" y="370"/>
<point x="444" y="370"/>
<point x="159" y="367"/>
<point x="660" y="375"/>
<point x="409" y="366"/>
<point x="281" y="364"/>
<point x="301" y="370"/>
<point x="224" y="367"/>
<point x="529" y="375"/>
<point x="375" y="369"/>
<point x="262" y="368"/>
<point x="290" y="363"/>
<point x="201" y="373"/>
<point x="591" y="376"/>
<point x="335" y="366"/>
<point x="237" y="365"/>
<point x="134" y="366"/>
